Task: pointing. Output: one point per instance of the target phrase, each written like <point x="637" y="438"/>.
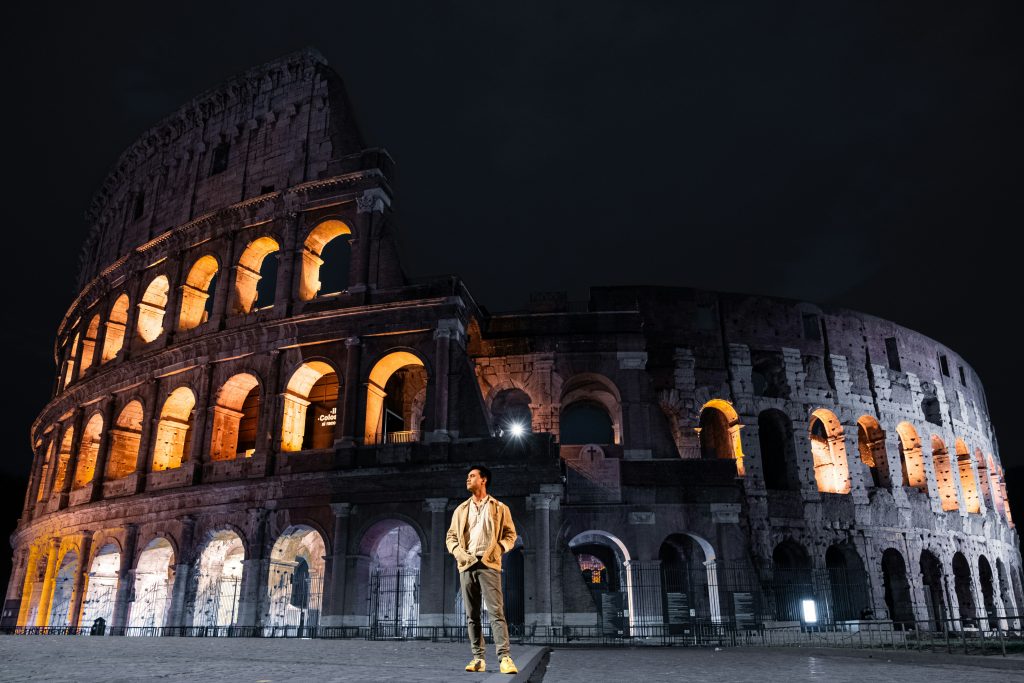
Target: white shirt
<point x="480" y="531"/>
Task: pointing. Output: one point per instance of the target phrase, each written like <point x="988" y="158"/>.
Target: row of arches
<point x="323" y="270"/>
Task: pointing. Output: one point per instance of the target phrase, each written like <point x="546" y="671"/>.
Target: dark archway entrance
<point x="848" y="583"/>
<point x="934" y="591"/>
<point x="964" y="592"/>
<point x="897" y="589"/>
<point x="791" y="580"/>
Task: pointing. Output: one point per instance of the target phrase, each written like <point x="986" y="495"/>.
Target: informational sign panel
<point x="743" y="608"/>
<point x="677" y="606"/>
<point x="613" y="617"/>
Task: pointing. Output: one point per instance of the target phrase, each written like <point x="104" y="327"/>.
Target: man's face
<point x="474" y="482"/>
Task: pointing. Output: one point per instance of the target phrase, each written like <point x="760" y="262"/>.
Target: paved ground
<point x="215" y="660"/>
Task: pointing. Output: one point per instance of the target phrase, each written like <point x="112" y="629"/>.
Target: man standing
<point x="481" y="531"/>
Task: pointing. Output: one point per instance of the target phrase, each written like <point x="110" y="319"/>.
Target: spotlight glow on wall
<point x="809" y="611"/>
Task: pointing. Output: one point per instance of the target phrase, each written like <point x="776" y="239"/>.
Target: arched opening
<point x="235" y="416"/>
<point x="174" y="430"/>
<point x="897" y="589"/>
<point x="983" y="479"/>
<point x="962" y="584"/>
<point x="217" y="581"/>
<point x="592" y="390"/>
<point x="911" y="458"/>
<point x="296" y="581"/>
<point x="196" y="299"/>
<point x="63" y="591"/>
<point x="256" y="278"/>
<point x="995" y="480"/>
<point x="934" y="591"/>
<point x="113" y="341"/>
<point x="1006" y="593"/>
<point x="150" y="324"/>
<point x="719" y="433"/>
<point x="689" y="583"/>
<point x="585" y="422"/>
<point x="968" y="484"/>
<point x="778" y="451"/>
<point x="791" y="580"/>
<point x="848" y="583"/>
<point x="310" y="408"/>
<point x="33" y="596"/>
<point x="944" y="475"/>
<point x="394" y="551"/>
<point x="602" y="560"/>
<point x="871" y="446"/>
<point x="125" y="437"/>
<point x="988" y="591"/>
<point x="831" y="470"/>
<point x="89" y="344"/>
<point x="41" y="491"/>
<point x="69" y="361"/>
<point x="395" y="399"/>
<point x="154" y="577"/>
<point x="99" y="598"/>
<point x="63" y="458"/>
<point x="88" y="449"/>
<point x="325" y="260"/>
<point x="510" y="409"/>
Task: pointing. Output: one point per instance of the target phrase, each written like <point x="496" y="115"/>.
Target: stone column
<point x="200" y="438"/>
<point x="541" y="504"/>
<point x="255" y="570"/>
<point x="125" y="579"/>
<point x="335" y="581"/>
<point x="369" y="211"/>
<point x="81" y="583"/>
<point x="76" y="445"/>
<point x="345" y="430"/>
<point x="34" y="482"/>
<point x="176" y="614"/>
<point x="151" y="418"/>
<point x="28" y="583"/>
<point x="287" y="284"/>
<point x="103" y="452"/>
<point x="432" y="589"/>
<point x="223" y="290"/>
<point x="46" y="595"/>
<point x="442" y="351"/>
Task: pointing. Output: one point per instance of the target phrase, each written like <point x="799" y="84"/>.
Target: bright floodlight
<point x="810" y="611"/>
<point x="516" y="429"/>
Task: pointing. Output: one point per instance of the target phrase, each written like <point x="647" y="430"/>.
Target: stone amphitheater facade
<point x="258" y="420"/>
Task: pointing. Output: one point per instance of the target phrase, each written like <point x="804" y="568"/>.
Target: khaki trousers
<point x="480" y="581"/>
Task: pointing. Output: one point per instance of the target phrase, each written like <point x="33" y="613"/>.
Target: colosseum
<point x="259" y="422"/>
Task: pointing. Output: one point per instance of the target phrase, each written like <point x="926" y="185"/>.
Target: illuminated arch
<point x="154" y="576"/>
<point x="152" y="308"/>
<point x="174" y="430"/>
<point x="250" y="267"/>
<point x="195" y="293"/>
<point x="113" y="341"/>
<point x="312" y="251"/>
<point x="375" y="429"/>
<point x="828" y="448"/>
<point x="719" y="433"/>
<point x="235" y="418"/>
<point x="125" y="437"/>
<point x="871" y="446"/>
<point x="295" y="580"/>
<point x="63" y="458"/>
<point x="944" y="475"/>
<point x="89" y="344"/>
<point x="88" y="449"/>
<point x="217" y="587"/>
<point x="102" y="586"/>
<point x="314" y="383"/>
<point x="968" y="482"/>
<point x="911" y="457"/>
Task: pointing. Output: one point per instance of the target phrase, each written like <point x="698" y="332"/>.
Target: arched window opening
<point x="174" y="431"/>
<point x="932" y="410"/>
<point x="1006" y="594"/>
<point x="69" y="361"/>
<point x="934" y="591"/>
<point x="154" y="577"/>
<point x="848" y="583"/>
<point x="602" y="559"/>
<point x="911" y="458"/>
<point x="125" y="437"/>
<point x="944" y="475"/>
<point x="585" y="422"/>
<point x="962" y="584"/>
<point x="152" y="308"/>
<point x="983" y="479"/>
<point x="235" y="416"/>
<point x="394" y="549"/>
<point x="88" y="449"/>
<point x="41" y="492"/>
<point x="63" y="591"/>
<point x="590" y="388"/>
<point x="897" y="589"/>
<point x="89" y="344"/>
<point x="217" y="585"/>
<point x="310" y="408"/>
<point x="778" y="451"/>
<point x="325" y="260"/>
<point x="715" y="441"/>
<point x="63" y="458"/>
<point x="396" y="397"/>
<point x="256" y="279"/>
<point x="510" y="411"/>
<point x="688" y="584"/>
<point x="296" y="579"/>
<point x="988" y="591"/>
<point x="99" y="598"/>
<point x="871" y="446"/>
<point x="968" y="483"/>
<point x="196" y="293"/>
<point x="791" y="580"/>
<point x="831" y="471"/>
<point x="113" y="341"/>
<point x="996" y="482"/>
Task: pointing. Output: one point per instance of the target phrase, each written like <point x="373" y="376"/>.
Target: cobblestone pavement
<point x="252" y="660"/>
<point x="657" y="665"/>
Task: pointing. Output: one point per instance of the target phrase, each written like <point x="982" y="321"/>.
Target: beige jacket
<point x="502" y="540"/>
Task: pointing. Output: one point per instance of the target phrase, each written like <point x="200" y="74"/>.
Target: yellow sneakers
<point x="508" y="666"/>
<point x="477" y="664"/>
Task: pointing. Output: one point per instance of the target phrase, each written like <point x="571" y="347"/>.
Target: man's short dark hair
<point x="484" y="472"/>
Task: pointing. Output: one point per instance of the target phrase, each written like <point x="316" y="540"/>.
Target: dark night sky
<point x="862" y="154"/>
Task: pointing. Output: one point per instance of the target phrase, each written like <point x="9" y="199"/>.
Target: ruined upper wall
<point x="272" y="127"/>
